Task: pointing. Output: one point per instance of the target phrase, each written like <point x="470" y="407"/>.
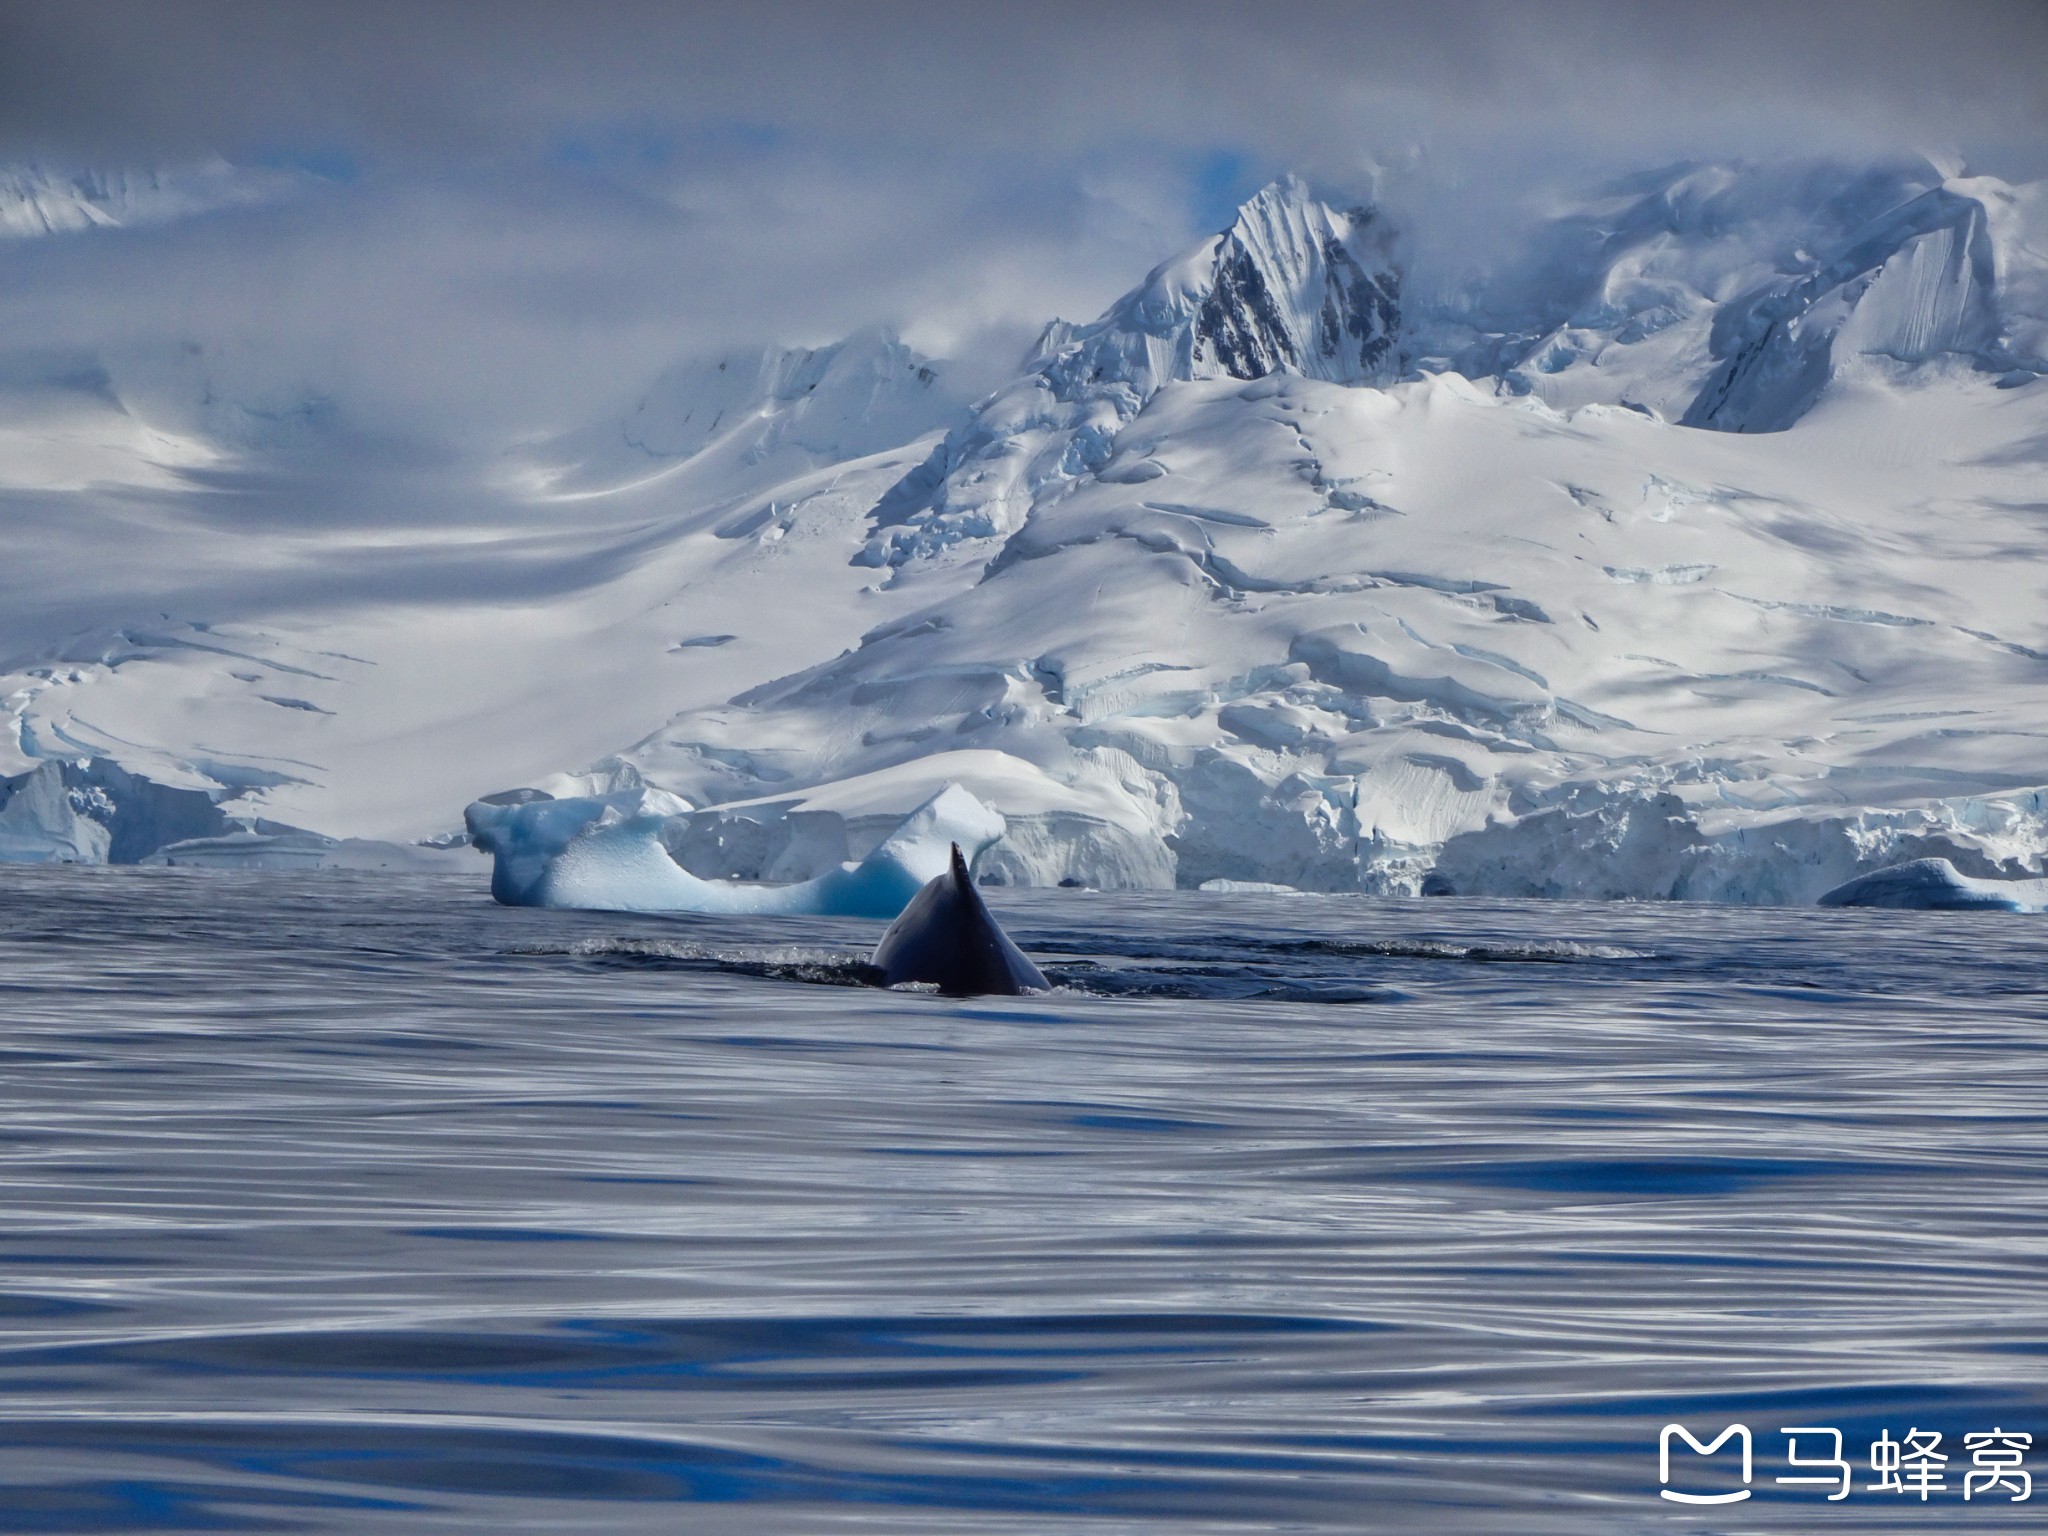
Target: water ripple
<point x="348" y="1203"/>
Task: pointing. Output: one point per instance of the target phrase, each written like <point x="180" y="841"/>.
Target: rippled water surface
<point x="354" y="1203"/>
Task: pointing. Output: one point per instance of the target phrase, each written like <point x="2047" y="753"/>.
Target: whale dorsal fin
<point x="948" y="938"/>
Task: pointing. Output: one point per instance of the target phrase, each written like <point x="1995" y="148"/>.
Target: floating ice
<point x="593" y="852"/>
<point x="1936" y="885"/>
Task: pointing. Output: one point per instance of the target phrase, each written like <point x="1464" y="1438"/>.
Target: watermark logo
<point x="1839" y="1475"/>
<point x="1996" y="1457"/>
<point x="1914" y="1466"/>
<point x="1738" y="1432"/>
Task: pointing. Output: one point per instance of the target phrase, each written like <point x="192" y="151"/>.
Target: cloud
<point x="434" y="78"/>
<point x="520" y="211"/>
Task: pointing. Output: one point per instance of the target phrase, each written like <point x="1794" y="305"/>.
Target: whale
<point x="947" y="938"/>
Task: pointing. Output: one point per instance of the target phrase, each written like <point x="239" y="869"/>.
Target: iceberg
<point x="1935" y="885"/>
<point x="599" y="853"/>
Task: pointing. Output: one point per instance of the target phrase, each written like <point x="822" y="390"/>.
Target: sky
<point x="511" y="213"/>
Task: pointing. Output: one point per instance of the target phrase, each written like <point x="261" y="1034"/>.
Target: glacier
<point x="1690" y="557"/>
<point x="91" y="810"/>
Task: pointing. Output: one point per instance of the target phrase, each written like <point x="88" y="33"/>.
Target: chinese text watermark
<point x="1988" y="1464"/>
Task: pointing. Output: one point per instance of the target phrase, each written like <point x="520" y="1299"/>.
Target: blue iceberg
<point x="1936" y="885"/>
<point x="603" y="852"/>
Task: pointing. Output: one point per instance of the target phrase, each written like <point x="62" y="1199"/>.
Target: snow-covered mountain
<point x="43" y="200"/>
<point x="1699" y="555"/>
<point x="1922" y="282"/>
<point x="754" y="418"/>
<point x="1728" y="297"/>
<point x="1294" y="285"/>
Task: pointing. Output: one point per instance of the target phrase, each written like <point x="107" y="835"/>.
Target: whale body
<point x="947" y="938"/>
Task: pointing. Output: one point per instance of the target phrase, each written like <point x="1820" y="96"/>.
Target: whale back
<point x="948" y="938"/>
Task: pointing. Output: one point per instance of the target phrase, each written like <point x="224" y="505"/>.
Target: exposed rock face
<point x="1300" y="287"/>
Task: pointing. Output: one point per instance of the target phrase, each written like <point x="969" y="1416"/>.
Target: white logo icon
<point x="1733" y="1431"/>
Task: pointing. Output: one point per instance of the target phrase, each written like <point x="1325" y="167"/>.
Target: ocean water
<point x="355" y="1203"/>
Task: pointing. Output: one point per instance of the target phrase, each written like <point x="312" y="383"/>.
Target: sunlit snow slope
<point x="1703" y="555"/>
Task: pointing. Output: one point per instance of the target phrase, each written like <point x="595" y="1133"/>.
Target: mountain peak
<point x="1295" y="285"/>
<point x="1301" y="286"/>
<point x="40" y="200"/>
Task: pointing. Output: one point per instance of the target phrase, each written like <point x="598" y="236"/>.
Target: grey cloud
<point x="530" y="207"/>
<point x="431" y="77"/>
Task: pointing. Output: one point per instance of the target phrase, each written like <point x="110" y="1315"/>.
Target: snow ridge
<point x="1300" y="287"/>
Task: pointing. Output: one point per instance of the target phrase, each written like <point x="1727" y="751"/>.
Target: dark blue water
<point x="340" y="1203"/>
